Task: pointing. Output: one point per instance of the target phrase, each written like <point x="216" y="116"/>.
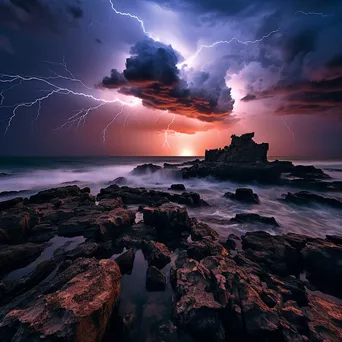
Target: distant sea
<point x="33" y="174"/>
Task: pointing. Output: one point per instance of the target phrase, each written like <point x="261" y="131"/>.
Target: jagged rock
<point x="206" y="247"/>
<point x="119" y="181"/>
<point x="305" y="197"/>
<point x="82" y="308"/>
<point x="156" y="253"/>
<point x="241" y="149"/>
<point x="308" y="172"/>
<point x="126" y="261"/>
<point x="272" y="251"/>
<point x="135" y="236"/>
<point x="325" y="320"/>
<point x="111" y="224"/>
<point x="75" y="226"/>
<point x="61" y="193"/>
<point x="169" y="220"/>
<point x="146" y="169"/>
<point x="155" y="280"/>
<point x="150" y="197"/>
<point x="322" y="261"/>
<point x="108" y="204"/>
<point x="334" y="239"/>
<point x="196" y="310"/>
<point x="178" y="187"/>
<point x="243" y="195"/>
<point x="17" y="256"/>
<point x="254" y="218"/>
<point x="200" y="230"/>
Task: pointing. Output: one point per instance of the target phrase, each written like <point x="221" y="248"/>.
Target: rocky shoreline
<point x="67" y="257"/>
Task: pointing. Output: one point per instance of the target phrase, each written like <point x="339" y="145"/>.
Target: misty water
<point x="35" y="174"/>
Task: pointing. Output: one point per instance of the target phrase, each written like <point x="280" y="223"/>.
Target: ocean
<point x="38" y="173"/>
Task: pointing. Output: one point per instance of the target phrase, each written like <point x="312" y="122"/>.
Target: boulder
<point x="126" y="261"/>
<point x="156" y="253"/>
<point x="169" y="220"/>
<point x="200" y="230"/>
<point x="119" y="181"/>
<point x="155" y="280"/>
<point x="306" y="197"/>
<point x="112" y="223"/>
<point x="244" y="195"/>
<point x="177" y="187"/>
<point x="17" y="256"/>
<point x="146" y="169"/>
<point x="5" y="205"/>
<point x="254" y="219"/>
<point x="79" y="311"/>
<point x="206" y="247"/>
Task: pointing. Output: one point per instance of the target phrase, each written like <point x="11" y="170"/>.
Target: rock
<point x="308" y="172"/>
<point x="169" y="220"/>
<point x="178" y="187"/>
<point x="167" y="333"/>
<point x="199" y="314"/>
<point x="135" y="236"/>
<point x="61" y="193"/>
<point x="243" y="195"/>
<point x="84" y="250"/>
<point x="119" y="181"/>
<point x="334" y="239"/>
<point x="126" y="261"/>
<point x="145" y="169"/>
<point x="322" y="262"/>
<point x="254" y="218"/>
<point x="241" y="149"/>
<point x="5" y="205"/>
<point x="274" y="252"/>
<point x="111" y="224"/>
<point x="206" y="247"/>
<point x="231" y="242"/>
<point x="17" y="256"/>
<point x="108" y="204"/>
<point x="306" y="197"/>
<point x="325" y="320"/>
<point x="155" y="280"/>
<point x="149" y="197"/>
<point x="82" y="308"/>
<point x="156" y="253"/>
<point x="75" y="226"/>
<point x="200" y="230"/>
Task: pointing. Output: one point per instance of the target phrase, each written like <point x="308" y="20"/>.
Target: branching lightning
<point x="53" y="88"/>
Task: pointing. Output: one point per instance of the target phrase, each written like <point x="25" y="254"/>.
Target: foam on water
<point x="316" y="220"/>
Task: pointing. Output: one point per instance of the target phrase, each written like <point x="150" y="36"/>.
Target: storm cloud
<point x="152" y="75"/>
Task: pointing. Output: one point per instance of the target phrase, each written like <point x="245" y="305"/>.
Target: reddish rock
<point x="126" y="261"/>
<point x="157" y="254"/>
<point x="325" y="320"/>
<point x="79" y="311"/>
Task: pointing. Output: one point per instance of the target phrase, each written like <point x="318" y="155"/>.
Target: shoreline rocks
<point x="244" y="195"/>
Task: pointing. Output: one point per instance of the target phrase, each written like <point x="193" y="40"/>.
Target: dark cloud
<point x="246" y="7"/>
<point x="37" y="14"/>
<point x="98" y="40"/>
<point x="152" y="75"/>
<point x="308" y="96"/>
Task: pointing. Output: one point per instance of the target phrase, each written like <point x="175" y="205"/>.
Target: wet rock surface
<point x="257" y="287"/>
<point x="244" y="195"/>
<point x="251" y="218"/>
<point x="307" y="198"/>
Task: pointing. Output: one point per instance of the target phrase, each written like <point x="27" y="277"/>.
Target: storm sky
<point x="172" y="78"/>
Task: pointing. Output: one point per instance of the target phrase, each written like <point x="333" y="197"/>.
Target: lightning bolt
<point x="54" y="88"/>
<point x="166" y="132"/>
<point x="288" y="128"/>
<point x="110" y="123"/>
<point x="314" y="13"/>
<point x="140" y="21"/>
<point x="247" y="42"/>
